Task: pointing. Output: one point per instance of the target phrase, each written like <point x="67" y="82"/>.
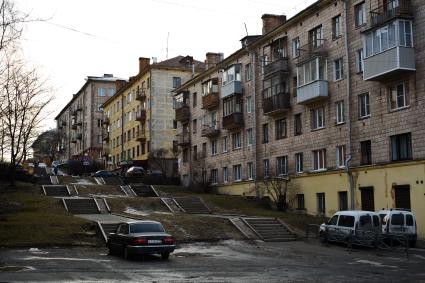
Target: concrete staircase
<point x="81" y="205"/>
<point x="270" y="229"/>
<point x="193" y="205"/>
<point x="144" y="190"/>
<point x="56" y="190"/>
<point x="170" y="204"/>
<point x="114" y="180"/>
<point x="128" y="191"/>
<point x="106" y="228"/>
<point x="103" y="205"/>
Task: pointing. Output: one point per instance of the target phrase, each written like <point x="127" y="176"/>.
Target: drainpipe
<point x="348" y="85"/>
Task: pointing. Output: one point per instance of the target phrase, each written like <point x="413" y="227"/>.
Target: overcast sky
<point x="92" y="37"/>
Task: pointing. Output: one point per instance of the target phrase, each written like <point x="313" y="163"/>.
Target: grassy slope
<point x="28" y="218"/>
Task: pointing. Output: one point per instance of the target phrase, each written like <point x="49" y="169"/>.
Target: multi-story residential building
<point x="80" y="122"/>
<point x="139" y="118"/>
<point x="329" y="98"/>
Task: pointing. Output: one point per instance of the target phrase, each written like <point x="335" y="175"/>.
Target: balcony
<point x="105" y="120"/>
<point x="233" y="121"/>
<point x="183" y="139"/>
<point x="73" y="139"/>
<point x="105" y="152"/>
<point x="141" y="95"/>
<point x="79" y="122"/>
<point x="210" y="131"/>
<point x="276" y="104"/>
<point x="141" y="136"/>
<point x="79" y="136"/>
<point x="280" y="65"/>
<point x="74" y="125"/>
<point x="234" y="87"/>
<point x="392" y="9"/>
<point x="141" y="115"/>
<point x="317" y="48"/>
<point x="105" y="135"/>
<point x="79" y="108"/>
<point x="312" y="92"/>
<point x="63" y="123"/>
<point x="210" y="101"/>
<point x="183" y="113"/>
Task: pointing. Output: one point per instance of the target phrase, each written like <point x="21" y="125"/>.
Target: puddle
<point x="65" y="258"/>
<point x="12" y="268"/>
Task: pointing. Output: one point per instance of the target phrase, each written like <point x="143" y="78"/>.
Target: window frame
<point x="360" y="7"/>
<point x="339" y="112"/>
<point x="364" y="106"/>
<point x="336" y="27"/>
<point x="319" y="160"/>
<point x="338" y="68"/>
<point x="237" y="173"/>
<point x="395" y="87"/>
<point x="318" y="121"/>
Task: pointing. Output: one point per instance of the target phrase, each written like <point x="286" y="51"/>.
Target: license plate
<point x="154" y="241"/>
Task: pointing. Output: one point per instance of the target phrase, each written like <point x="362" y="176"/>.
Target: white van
<point x="360" y="226"/>
<point x="398" y="221"/>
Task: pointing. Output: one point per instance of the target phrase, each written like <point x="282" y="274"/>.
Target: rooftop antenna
<point x="246" y="29"/>
<point x="168" y="36"/>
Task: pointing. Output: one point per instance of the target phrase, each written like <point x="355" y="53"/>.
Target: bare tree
<point x="24" y="98"/>
<point x="46" y="144"/>
<point x="11" y="20"/>
<point x="278" y="188"/>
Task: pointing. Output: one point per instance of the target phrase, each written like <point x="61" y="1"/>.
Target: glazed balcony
<point x="234" y="87"/>
<point x="183" y="139"/>
<point x="276" y="104"/>
<point x="312" y="92"/>
<point x="233" y="121"/>
<point x="210" y="101"/>
<point x="141" y="136"/>
<point x="210" y="131"/>
<point x="317" y="48"/>
<point x="183" y="113"/>
<point x="392" y="9"/>
<point x="141" y="115"/>
<point x="280" y="65"/>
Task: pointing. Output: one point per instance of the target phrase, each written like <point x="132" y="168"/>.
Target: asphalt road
<point x="228" y="261"/>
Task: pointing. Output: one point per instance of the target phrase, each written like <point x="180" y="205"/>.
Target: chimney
<point x="213" y="59"/>
<point x="143" y="63"/>
<point x="108" y="75"/>
<point x="270" y="22"/>
<point x="119" y="84"/>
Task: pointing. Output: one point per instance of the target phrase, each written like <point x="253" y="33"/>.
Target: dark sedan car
<point x="141" y="237"/>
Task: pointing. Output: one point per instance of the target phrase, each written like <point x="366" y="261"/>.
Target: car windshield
<point x="146" y="228"/>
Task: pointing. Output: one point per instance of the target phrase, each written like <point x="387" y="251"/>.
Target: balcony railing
<point x="141" y="115"/>
<point x="312" y="92"/>
<point x="233" y="121"/>
<point x="316" y="48"/>
<point x="277" y="103"/>
<point x="234" y="87"/>
<point x="141" y="136"/>
<point x="183" y="139"/>
<point x="210" y="101"/>
<point x="183" y="113"/>
<point x="280" y="65"/>
<point x="141" y="95"/>
<point x="210" y="131"/>
<point x="392" y="9"/>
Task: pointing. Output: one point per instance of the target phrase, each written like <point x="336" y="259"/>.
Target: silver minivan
<point x="401" y="222"/>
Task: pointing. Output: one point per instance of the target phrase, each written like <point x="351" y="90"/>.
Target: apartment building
<point x="139" y="118"/>
<point x="79" y="123"/>
<point x="330" y="99"/>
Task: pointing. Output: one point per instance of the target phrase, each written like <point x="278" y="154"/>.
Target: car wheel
<point x="125" y="253"/>
<point x="165" y="255"/>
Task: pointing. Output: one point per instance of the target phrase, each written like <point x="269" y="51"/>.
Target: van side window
<point x="375" y="221"/>
<point x="346" y="221"/>
<point x="409" y="220"/>
<point x="397" y="219"/>
<point x="333" y="220"/>
<point x="365" y="220"/>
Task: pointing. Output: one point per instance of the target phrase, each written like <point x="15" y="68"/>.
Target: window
<point x="99" y="123"/>
<point x="265" y="133"/>
<point x="282" y="165"/>
<point x="236" y="140"/>
<point x="232" y="74"/>
<point x="297" y="124"/>
<point x="346" y="221"/>
<point x="405" y="33"/>
<point x="402" y="196"/>
<point x="194" y="100"/>
<point x="101" y="91"/>
<point x="176" y="82"/>
<point x="225" y="175"/>
<point x="398" y="97"/>
<point x="272" y="87"/>
<point x="340" y="156"/>
<point x="366" y="152"/>
<point x="195" y="153"/>
<point x="339" y="109"/>
<point x="311" y="71"/>
<point x="280" y="129"/>
<point x="99" y="139"/>
<point x="204" y="149"/>
<point x="214" y="147"/>
<point x="300" y="201"/>
<point x="225" y="144"/>
<point x="194" y="126"/>
<point x="401" y="147"/>
<point x="296" y="47"/>
<point x="266" y="167"/>
<point x="359" y="11"/>
<point x="264" y="61"/>
<point x="359" y="60"/>
<point x="299" y="162"/>
<point x="185" y="155"/>
<point x="111" y="91"/>
<point x="338" y="70"/>
<point x="318" y="118"/>
<point x="248" y="72"/>
<point x="250" y="167"/>
<point x="343" y="200"/>
<point x="316" y="37"/>
<point x="214" y="176"/>
<point x="336" y="27"/>
<point x="232" y="105"/>
<point x="249" y="137"/>
<point x="237" y="172"/>
<point x="249" y="104"/>
<point x="210" y="87"/>
<point x="174" y="124"/>
<point x="321" y="208"/>
<point x="319" y="159"/>
<point x="364" y="109"/>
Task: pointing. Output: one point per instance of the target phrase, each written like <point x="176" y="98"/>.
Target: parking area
<point x="230" y="261"/>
